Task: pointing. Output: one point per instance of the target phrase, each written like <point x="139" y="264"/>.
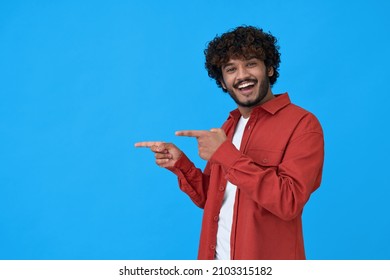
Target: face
<point x="246" y="81"/>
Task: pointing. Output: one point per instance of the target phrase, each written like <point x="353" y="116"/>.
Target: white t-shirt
<point x="226" y="213"/>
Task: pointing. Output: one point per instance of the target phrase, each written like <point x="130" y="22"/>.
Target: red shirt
<point x="276" y="169"/>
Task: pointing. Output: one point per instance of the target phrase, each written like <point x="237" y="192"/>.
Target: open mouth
<point x="246" y="86"/>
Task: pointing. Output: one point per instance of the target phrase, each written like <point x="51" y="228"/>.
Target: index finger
<point x="148" y="144"/>
<point x="191" y="133"/>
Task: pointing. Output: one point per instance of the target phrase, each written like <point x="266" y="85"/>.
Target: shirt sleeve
<point x="282" y="189"/>
<point x="192" y="180"/>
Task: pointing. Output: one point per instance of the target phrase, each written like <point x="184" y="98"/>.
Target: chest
<point x="262" y="139"/>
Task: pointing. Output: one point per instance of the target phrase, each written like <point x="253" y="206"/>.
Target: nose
<point x="242" y="73"/>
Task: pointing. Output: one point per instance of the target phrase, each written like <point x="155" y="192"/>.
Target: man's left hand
<point x="208" y="141"/>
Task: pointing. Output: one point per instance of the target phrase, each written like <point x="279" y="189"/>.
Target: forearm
<point x="191" y="180"/>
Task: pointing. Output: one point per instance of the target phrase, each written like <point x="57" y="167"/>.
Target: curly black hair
<point x="242" y="42"/>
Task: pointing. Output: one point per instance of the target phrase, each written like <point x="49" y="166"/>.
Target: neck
<point x="246" y="111"/>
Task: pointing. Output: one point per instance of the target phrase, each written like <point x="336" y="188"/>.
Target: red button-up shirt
<point x="276" y="169"/>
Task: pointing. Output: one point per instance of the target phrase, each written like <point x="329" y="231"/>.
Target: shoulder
<point x="303" y="120"/>
<point x="231" y="120"/>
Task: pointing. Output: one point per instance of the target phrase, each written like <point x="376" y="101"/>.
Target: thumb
<point x="217" y="130"/>
<point x="166" y="146"/>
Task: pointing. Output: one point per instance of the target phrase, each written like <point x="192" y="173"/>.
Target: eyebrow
<point x="227" y="65"/>
<point x="232" y="64"/>
<point x="251" y="57"/>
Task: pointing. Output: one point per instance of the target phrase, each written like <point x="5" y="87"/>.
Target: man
<point x="263" y="164"/>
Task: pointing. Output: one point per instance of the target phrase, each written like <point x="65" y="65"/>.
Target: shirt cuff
<point x="183" y="164"/>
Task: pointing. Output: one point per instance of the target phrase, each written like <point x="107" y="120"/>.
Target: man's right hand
<point x="166" y="154"/>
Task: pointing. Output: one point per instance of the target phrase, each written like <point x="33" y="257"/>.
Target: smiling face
<point x="247" y="82"/>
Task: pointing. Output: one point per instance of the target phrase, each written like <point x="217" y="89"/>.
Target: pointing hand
<point x="166" y="154"/>
<point x="208" y="141"/>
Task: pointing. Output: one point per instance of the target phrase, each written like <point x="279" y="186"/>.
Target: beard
<point x="263" y="90"/>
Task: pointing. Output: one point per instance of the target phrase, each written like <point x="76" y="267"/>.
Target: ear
<point x="223" y="84"/>
<point x="270" y="71"/>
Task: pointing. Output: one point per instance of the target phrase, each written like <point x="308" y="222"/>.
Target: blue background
<point x="82" y="81"/>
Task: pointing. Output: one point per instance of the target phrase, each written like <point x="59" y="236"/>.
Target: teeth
<point x="246" y="84"/>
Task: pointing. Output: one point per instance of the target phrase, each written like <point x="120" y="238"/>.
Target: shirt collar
<point x="275" y="104"/>
<point x="272" y="106"/>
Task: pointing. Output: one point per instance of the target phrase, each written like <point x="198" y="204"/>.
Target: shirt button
<point x="212" y="247"/>
<point x="221" y="188"/>
<point x="265" y="160"/>
<point x="216" y="218"/>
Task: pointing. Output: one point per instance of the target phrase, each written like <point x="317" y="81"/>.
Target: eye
<point x="251" y="64"/>
<point x="230" y="69"/>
